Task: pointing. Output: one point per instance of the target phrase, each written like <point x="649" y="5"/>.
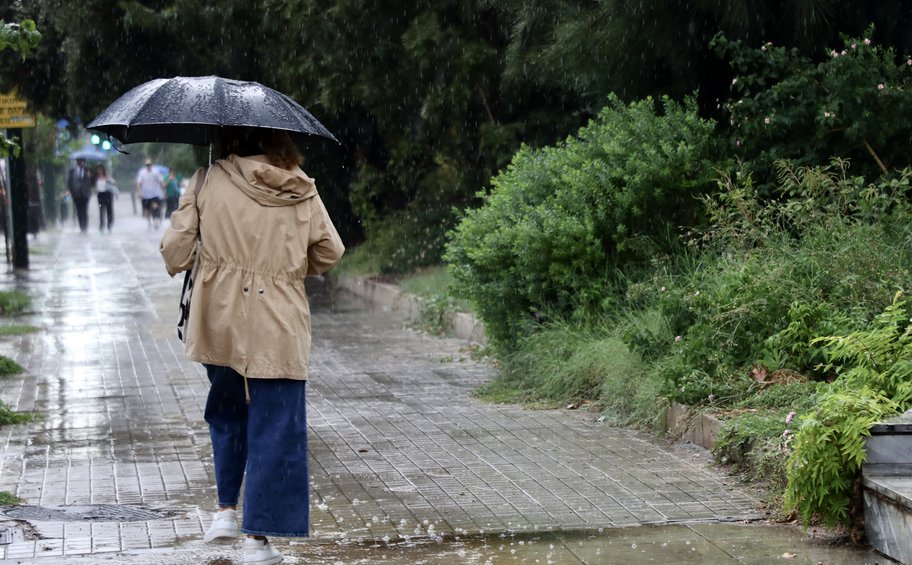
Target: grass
<point x="9" y="499"/>
<point x="568" y="364"/>
<point x="9" y="367"/>
<point x="13" y="302"/>
<point x="9" y="417"/>
<point x="10" y="330"/>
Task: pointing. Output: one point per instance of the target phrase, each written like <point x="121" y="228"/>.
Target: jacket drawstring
<point x="246" y="390"/>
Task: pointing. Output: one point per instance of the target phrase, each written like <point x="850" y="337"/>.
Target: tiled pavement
<point x="398" y="445"/>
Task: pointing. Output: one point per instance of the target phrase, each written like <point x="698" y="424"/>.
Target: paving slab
<point x="401" y="452"/>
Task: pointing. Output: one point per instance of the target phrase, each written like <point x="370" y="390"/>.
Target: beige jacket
<point x="263" y="230"/>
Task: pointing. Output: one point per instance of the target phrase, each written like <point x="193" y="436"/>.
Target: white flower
<point x="867" y="41"/>
<point x="766" y="120"/>
<point x="881" y="86"/>
<point x="678" y="338"/>
<point x="734" y="81"/>
<point x="826" y="114"/>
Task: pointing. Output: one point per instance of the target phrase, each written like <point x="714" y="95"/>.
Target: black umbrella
<point x="190" y="109"/>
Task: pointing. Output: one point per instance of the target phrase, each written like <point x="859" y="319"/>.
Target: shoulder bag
<point x="187" y="290"/>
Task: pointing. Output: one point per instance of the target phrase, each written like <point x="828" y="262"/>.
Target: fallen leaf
<point x="788" y="555"/>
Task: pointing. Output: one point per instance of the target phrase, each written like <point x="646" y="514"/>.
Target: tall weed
<point x="566" y="363"/>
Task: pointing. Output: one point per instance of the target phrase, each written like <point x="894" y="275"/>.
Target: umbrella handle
<point x="118" y="149"/>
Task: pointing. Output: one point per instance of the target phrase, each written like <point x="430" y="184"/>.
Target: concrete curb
<point x="697" y="428"/>
<point x="463" y="325"/>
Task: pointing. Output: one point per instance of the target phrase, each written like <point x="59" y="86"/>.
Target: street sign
<point x="12" y="101"/>
<point x="13" y="114"/>
<point x="17" y="121"/>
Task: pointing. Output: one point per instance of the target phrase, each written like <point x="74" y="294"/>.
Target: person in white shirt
<point x="149" y="185"/>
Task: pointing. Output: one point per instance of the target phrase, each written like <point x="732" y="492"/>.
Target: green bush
<point x="875" y="381"/>
<point x="829" y="451"/>
<point x="776" y="275"/>
<point x="559" y="222"/>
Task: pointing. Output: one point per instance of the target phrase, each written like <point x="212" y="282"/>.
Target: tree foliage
<point x="19" y="38"/>
<point x="636" y="49"/>
<point x="430" y="99"/>
<point x="853" y="104"/>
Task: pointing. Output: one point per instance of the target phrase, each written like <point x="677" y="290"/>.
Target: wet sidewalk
<point x="406" y="466"/>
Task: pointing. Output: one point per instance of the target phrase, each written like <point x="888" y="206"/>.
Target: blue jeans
<point x="267" y="440"/>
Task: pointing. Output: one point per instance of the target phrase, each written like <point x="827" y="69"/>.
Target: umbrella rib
<point x="144" y="104"/>
<point x="307" y="128"/>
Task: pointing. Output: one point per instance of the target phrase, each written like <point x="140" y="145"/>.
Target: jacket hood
<point x="266" y="184"/>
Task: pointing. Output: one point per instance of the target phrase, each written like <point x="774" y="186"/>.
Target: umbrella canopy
<point x="189" y="109"/>
<point x="90" y="153"/>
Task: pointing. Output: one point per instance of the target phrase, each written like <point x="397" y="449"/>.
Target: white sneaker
<point x="260" y="552"/>
<point x="224" y="527"/>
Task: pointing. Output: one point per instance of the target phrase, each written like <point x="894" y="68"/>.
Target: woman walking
<point x="105" y="191"/>
<point x="262" y="228"/>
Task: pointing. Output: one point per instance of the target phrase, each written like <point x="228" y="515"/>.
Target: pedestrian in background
<point x="262" y="228"/>
<point x="172" y="194"/>
<point x="79" y="184"/>
<point x="105" y="191"/>
<point x="149" y="184"/>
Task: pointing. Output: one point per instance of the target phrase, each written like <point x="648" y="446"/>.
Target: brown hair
<point x="276" y="144"/>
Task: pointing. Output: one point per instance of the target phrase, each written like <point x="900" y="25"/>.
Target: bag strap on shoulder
<point x="201" y="180"/>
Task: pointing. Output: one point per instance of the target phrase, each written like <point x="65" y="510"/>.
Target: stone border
<point x="699" y="428"/>
<point x="463" y="325"/>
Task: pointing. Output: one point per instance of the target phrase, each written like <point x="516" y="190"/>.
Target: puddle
<point x="703" y="544"/>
